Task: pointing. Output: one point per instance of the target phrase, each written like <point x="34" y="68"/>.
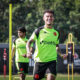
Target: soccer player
<point x="45" y="55"/>
<point x="19" y="49"/>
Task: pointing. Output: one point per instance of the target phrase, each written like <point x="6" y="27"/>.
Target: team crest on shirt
<point x="54" y="33"/>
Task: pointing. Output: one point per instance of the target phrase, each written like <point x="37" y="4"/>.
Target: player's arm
<point x="13" y="52"/>
<point x="64" y="56"/>
<point x="13" y="49"/>
<point x="59" y="51"/>
<point x="30" y="41"/>
<point x="29" y="49"/>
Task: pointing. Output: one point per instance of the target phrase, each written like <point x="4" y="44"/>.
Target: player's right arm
<point x="28" y="46"/>
<point x="13" y="51"/>
<point x="29" y="50"/>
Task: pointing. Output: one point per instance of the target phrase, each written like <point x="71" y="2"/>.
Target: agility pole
<point x="10" y="41"/>
<point x="70" y="53"/>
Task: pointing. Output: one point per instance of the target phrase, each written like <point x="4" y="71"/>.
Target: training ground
<point x="29" y="77"/>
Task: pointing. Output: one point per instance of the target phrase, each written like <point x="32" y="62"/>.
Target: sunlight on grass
<point x="30" y="77"/>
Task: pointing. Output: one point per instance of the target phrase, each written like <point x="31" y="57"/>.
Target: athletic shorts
<point x="40" y="69"/>
<point x="22" y="67"/>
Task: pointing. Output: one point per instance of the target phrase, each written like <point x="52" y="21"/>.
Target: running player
<point x="45" y="55"/>
<point x="19" y="49"/>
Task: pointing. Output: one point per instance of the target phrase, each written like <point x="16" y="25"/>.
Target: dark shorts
<point x="40" y="69"/>
<point x="22" y="67"/>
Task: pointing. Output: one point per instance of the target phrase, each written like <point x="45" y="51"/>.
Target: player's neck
<point x="22" y="37"/>
<point x="48" y="26"/>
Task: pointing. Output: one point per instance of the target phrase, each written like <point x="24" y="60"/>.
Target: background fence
<point x="61" y="64"/>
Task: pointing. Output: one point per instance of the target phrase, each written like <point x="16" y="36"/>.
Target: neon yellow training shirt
<point x="20" y="45"/>
<point x="45" y="45"/>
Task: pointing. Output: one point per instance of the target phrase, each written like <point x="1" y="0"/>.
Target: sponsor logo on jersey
<point x="47" y="42"/>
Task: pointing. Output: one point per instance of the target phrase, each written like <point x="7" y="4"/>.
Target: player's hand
<point x="64" y="56"/>
<point x="29" y="55"/>
<point x="24" y="55"/>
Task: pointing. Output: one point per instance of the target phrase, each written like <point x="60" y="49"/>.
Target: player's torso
<point x="21" y="49"/>
<point x="48" y="36"/>
<point x="46" y="45"/>
<point x="21" y="43"/>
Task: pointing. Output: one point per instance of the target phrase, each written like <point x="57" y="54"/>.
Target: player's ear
<point x="53" y="18"/>
<point x="43" y="18"/>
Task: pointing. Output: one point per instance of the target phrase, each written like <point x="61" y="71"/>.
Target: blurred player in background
<point x="19" y="49"/>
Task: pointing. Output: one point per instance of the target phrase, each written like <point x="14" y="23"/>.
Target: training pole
<point x="10" y="41"/>
<point x="70" y="53"/>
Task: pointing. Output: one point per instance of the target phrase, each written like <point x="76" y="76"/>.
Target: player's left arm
<point x="59" y="51"/>
<point x="64" y="56"/>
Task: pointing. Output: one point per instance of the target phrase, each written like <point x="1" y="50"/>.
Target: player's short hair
<point x="22" y="29"/>
<point x="48" y="11"/>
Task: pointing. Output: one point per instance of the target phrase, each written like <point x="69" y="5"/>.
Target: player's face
<point x="21" y="34"/>
<point x="48" y="18"/>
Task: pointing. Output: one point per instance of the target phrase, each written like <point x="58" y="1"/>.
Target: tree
<point x="4" y="8"/>
<point x="29" y="14"/>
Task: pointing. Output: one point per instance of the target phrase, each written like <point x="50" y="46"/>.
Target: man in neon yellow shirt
<point x="45" y="55"/>
<point x="19" y="49"/>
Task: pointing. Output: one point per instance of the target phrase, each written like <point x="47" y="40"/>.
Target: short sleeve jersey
<point x="20" y="45"/>
<point x="45" y="45"/>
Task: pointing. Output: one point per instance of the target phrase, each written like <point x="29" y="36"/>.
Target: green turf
<point x="59" y="77"/>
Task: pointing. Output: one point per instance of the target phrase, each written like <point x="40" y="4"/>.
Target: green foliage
<point x="30" y="13"/>
<point x="4" y="16"/>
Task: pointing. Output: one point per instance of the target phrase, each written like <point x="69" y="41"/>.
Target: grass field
<point x="29" y="77"/>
